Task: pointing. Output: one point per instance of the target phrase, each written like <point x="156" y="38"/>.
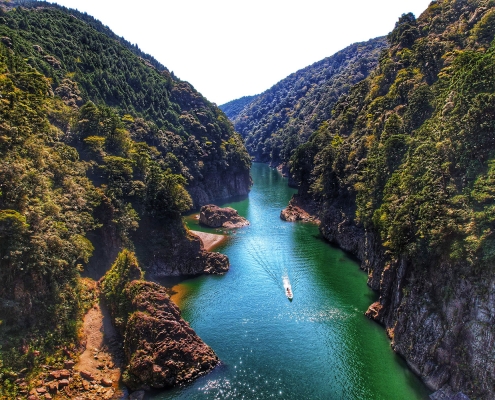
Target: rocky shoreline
<point x="297" y="210"/>
<point x="407" y="311"/>
<point x="160" y="350"/>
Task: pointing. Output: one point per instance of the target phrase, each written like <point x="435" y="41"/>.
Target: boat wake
<point x="278" y="271"/>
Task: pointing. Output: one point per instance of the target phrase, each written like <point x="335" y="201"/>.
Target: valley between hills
<point x="106" y="158"/>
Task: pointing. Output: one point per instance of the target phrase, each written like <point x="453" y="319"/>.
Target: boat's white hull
<point x="287" y="288"/>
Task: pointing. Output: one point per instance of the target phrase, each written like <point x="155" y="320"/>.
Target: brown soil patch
<point x="210" y="240"/>
<point x="101" y="359"/>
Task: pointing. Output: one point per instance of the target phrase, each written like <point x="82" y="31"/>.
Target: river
<point x="317" y="346"/>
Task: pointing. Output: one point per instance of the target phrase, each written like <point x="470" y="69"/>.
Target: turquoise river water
<point x="319" y="346"/>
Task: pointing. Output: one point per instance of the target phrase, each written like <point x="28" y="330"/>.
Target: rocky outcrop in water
<point x="216" y="217"/>
<point x="160" y="348"/>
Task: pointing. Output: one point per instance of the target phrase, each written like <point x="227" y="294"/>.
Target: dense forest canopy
<point x="86" y="62"/>
<point x="275" y="122"/>
<point x="414" y="142"/>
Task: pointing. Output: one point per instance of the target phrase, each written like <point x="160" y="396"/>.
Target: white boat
<point x="287" y="288"/>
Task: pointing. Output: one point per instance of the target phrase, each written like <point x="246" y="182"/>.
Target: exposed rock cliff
<point x="444" y="334"/>
<point x="219" y="185"/>
<point x="175" y="252"/>
<point x="161" y="348"/>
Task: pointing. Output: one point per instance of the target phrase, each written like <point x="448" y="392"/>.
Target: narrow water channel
<point x="317" y="346"/>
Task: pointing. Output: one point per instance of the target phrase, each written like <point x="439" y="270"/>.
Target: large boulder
<point x="217" y="217"/>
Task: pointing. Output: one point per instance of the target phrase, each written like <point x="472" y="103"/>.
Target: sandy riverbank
<point x="210" y="240"/>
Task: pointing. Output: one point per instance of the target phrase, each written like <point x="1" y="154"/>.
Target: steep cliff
<point x="402" y="176"/>
<point x="274" y="122"/>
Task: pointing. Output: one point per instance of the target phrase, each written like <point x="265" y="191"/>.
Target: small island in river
<point x="217" y="217"/>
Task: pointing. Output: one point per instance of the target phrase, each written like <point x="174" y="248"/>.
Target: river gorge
<point x="319" y="346"/>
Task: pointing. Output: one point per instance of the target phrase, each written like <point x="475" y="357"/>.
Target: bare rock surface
<point x="160" y="347"/>
<point x="217" y="217"/>
<point x="298" y="211"/>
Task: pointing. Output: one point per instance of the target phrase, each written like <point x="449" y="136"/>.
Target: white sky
<point x="230" y="48"/>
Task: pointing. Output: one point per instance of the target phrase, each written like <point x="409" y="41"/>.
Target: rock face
<point x="216" y="217"/>
<point x="160" y="347"/>
<point x="175" y="252"/>
<point x="295" y="211"/>
<point x="442" y="339"/>
<point x="220" y="184"/>
<point x="448" y="342"/>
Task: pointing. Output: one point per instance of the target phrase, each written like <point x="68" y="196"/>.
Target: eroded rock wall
<point x="219" y="185"/>
<point x="439" y="317"/>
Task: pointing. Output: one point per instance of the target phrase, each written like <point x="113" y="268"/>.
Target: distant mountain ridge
<point x="276" y="121"/>
<point x="233" y="108"/>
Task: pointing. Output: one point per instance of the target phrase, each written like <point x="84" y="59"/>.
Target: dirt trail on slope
<point x="100" y="364"/>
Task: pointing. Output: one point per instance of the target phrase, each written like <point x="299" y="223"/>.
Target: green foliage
<point x="275" y="122"/>
<point x="409" y="152"/>
<point x="484" y="30"/>
<point x="405" y="32"/>
<point x="124" y="270"/>
<point x="46" y="206"/>
<point x="233" y="108"/>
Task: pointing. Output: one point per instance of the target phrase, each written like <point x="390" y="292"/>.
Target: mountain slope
<point x="276" y="121"/>
<point x="66" y="48"/>
<point x="233" y="108"/>
<point x="100" y="151"/>
<point x="402" y="177"/>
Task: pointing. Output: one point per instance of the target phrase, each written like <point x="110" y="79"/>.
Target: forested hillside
<point x="87" y="64"/>
<point x="100" y="150"/>
<point x="403" y="176"/>
<point x="275" y="122"/>
<point x="233" y="108"/>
